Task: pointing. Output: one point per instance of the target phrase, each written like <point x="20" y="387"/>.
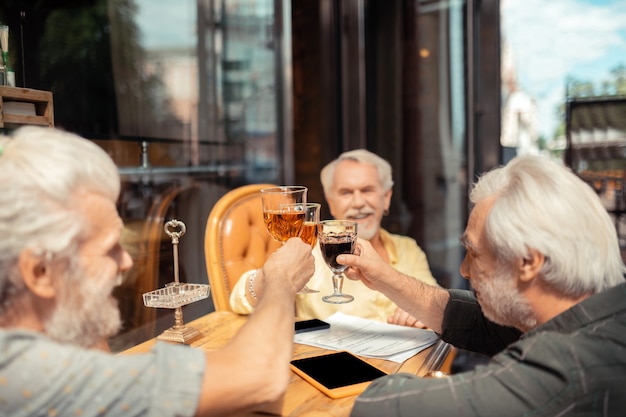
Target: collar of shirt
<point x="390" y="247"/>
<point x="598" y="307"/>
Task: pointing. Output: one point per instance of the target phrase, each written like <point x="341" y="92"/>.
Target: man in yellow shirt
<point x="357" y="186"/>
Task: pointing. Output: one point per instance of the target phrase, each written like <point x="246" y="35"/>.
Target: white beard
<point x="368" y="233"/>
<point x="86" y="312"/>
<point x="502" y="302"/>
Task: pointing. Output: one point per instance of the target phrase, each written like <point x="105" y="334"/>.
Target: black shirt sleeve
<point x="465" y="326"/>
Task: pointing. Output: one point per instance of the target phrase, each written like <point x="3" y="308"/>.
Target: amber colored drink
<point x="309" y="233"/>
<point x="284" y="225"/>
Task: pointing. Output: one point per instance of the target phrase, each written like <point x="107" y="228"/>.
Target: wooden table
<point x="301" y="398"/>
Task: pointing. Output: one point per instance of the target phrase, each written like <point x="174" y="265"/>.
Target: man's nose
<point x="357" y="199"/>
<point x="464" y="269"/>
<point x="127" y="262"/>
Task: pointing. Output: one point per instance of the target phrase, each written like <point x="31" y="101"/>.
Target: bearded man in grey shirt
<point x="549" y="305"/>
<point x="60" y="258"/>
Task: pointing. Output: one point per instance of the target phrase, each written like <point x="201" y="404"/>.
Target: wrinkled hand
<point x="290" y="267"/>
<point x="402" y="318"/>
<point x="366" y="265"/>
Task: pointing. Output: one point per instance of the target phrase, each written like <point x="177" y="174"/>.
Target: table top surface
<point x="301" y="398"/>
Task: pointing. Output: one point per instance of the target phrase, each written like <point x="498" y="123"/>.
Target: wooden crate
<point x="44" y="111"/>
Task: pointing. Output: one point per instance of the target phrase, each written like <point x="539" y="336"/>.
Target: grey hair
<point x="42" y="171"/>
<point x="362" y="156"/>
<point x="541" y="205"/>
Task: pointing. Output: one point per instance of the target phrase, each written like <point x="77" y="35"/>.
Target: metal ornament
<point x="176" y="294"/>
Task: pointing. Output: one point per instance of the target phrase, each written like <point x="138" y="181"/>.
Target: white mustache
<point x="360" y="213"/>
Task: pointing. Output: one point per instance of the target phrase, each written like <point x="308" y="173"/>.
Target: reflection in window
<point x="198" y="73"/>
<point x="571" y="48"/>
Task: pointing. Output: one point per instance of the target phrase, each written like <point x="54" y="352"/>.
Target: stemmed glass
<point x="337" y="237"/>
<point x="309" y="232"/>
<point x="284" y="214"/>
<point x="311" y="220"/>
<point x="283" y="211"/>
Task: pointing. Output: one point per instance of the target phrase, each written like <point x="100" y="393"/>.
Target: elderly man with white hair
<point x="61" y="257"/>
<point x="357" y="186"/>
<point x="549" y="305"/>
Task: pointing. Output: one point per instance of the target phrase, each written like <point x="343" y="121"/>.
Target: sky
<point x="553" y="39"/>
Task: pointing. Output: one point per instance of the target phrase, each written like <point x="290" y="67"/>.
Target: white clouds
<point x="553" y="39"/>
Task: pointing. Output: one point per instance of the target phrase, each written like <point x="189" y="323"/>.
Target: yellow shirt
<point x="404" y="255"/>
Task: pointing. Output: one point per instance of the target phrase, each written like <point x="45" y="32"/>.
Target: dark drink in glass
<point x="337" y="237"/>
<point x="336" y="246"/>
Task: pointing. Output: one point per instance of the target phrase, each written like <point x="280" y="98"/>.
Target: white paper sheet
<point x="369" y="338"/>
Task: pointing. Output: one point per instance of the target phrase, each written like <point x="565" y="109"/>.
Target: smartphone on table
<point x="311" y="325"/>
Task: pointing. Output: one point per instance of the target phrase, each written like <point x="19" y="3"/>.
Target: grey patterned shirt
<point x="573" y="365"/>
<point x="39" y="377"/>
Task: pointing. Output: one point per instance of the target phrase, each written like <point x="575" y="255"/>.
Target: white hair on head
<point x="541" y="205"/>
<point x="362" y="156"/>
<point x="42" y="172"/>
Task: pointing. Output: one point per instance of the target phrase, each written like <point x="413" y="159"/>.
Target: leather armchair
<point x="235" y="240"/>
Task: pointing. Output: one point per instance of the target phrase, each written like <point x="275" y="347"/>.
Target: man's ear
<point x="37" y="276"/>
<point x="531" y="265"/>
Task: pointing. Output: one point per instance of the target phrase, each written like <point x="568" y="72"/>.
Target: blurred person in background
<point x="357" y="186"/>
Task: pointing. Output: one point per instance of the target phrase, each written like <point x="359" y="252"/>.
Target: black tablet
<point x="337" y="374"/>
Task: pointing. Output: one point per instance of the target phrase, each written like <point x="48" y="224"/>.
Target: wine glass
<point x="309" y="232"/>
<point x="311" y="220"/>
<point x="337" y="237"/>
<point x="284" y="211"/>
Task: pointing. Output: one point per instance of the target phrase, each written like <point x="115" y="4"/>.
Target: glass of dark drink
<point x="337" y="237"/>
<point x="284" y="214"/>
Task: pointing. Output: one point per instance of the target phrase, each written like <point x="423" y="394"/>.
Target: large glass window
<point x="564" y="90"/>
<point x="440" y="59"/>
<point x="552" y="51"/>
<point x="199" y="72"/>
<point x="186" y="98"/>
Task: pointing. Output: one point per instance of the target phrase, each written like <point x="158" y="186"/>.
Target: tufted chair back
<point x="235" y="240"/>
